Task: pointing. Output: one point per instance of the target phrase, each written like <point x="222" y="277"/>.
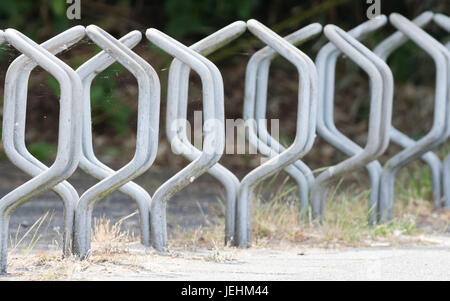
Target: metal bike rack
<point x="384" y="50"/>
<point x="68" y="152"/>
<point x="176" y="116"/>
<point x="214" y="134"/>
<point x="444" y="22"/>
<point x="306" y="106"/>
<point x="381" y="81"/>
<point x="89" y="163"/>
<point x="437" y="132"/>
<point x="16" y="150"/>
<point x="327" y="60"/>
<point x="267" y="144"/>
<point x="326" y="64"/>
<point x="146" y="137"/>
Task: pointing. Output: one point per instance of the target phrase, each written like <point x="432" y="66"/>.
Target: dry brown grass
<point x="277" y="220"/>
<point x="110" y="238"/>
<point x="277" y="223"/>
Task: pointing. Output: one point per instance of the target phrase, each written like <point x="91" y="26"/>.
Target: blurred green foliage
<point x="44" y="151"/>
<point x="188" y="21"/>
<point x="105" y="106"/>
<point x="195" y="16"/>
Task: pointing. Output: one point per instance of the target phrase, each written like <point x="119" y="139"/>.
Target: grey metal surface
<point x="267" y="144"/>
<point x="68" y="152"/>
<point x="326" y="64"/>
<point x="146" y="136"/>
<point x="176" y="116"/>
<point x="435" y="136"/>
<point x="381" y="83"/>
<point x="306" y="108"/>
<point x="213" y="128"/>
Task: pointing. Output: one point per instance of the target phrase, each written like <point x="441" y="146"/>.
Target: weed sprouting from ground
<point x="35" y="233"/>
<point x="109" y="237"/>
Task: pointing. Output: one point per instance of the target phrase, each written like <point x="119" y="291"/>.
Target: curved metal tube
<point x="176" y="116"/>
<point x="379" y="119"/>
<point x="326" y="64"/>
<point x="426" y="143"/>
<point x="146" y="136"/>
<point x="384" y="50"/>
<point x="214" y="136"/>
<point x="68" y="152"/>
<point x="307" y="99"/>
<point x="16" y="150"/>
<point x="267" y="144"/>
<point x="89" y="163"/>
<point x="444" y="22"/>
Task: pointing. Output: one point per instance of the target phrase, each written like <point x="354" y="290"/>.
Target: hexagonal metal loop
<point x="384" y="50"/>
<point x="326" y="64"/>
<point x="146" y="137"/>
<point x="176" y="116"/>
<point x="89" y="163"/>
<point x="268" y="145"/>
<point x="68" y="152"/>
<point x="381" y="83"/>
<point x="16" y="150"/>
<point x="307" y="101"/>
<point x="213" y="127"/>
<point x="436" y="135"/>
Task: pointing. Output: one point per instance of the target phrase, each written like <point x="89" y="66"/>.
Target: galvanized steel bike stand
<point x="384" y="50"/>
<point x="18" y="77"/>
<point x="444" y="22"/>
<point x="214" y="134"/>
<point x="176" y="117"/>
<point x="307" y="102"/>
<point x="89" y="163"/>
<point x="437" y="132"/>
<point x="68" y="152"/>
<point x="146" y="137"/>
<point x="267" y="144"/>
<point x="326" y="64"/>
<point x="381" y="81"/>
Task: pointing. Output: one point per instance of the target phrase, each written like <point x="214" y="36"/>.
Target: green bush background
<point x="113" y="95"/>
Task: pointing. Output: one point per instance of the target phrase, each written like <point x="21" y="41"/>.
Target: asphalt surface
<point x="407" y="263"/>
